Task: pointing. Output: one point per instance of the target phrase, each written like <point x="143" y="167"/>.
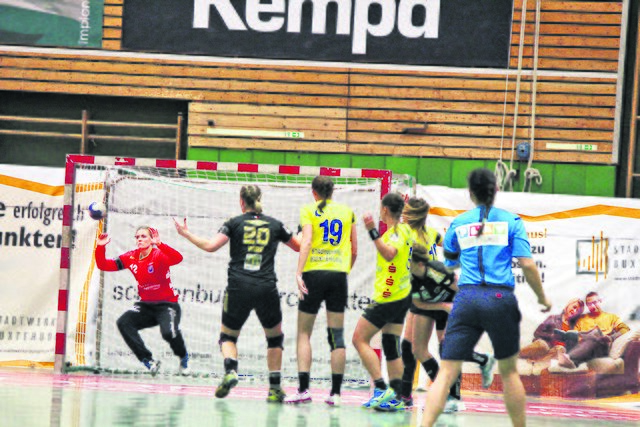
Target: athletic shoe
<point x="333" y="400"/>
<point x="453" y="405"/>
<point x="184" y="368"/>
<point x="152" y="365"/>
<point x="379" y="397"/>
<point x="229" y="381"/>
<point x="392" y="405"/>
<point x="408" y="402"/>
<point x="298" y="397"/>
<point x="487" y="371"/>
<point x="276" y="395"/>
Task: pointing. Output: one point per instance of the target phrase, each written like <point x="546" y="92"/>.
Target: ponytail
<point x="251" y="196"/>
<point x="415" y="215"/>
<point x="483" y="185"/>
<point x="395" y="203"/>
<point x="323" y="186"/>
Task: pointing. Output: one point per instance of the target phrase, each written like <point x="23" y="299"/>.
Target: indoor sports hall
<point x="184" y="141"/>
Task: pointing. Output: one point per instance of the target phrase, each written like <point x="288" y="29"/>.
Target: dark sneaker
<point x="229" y="381"/>
<point x="276" y="395"/>
<point x="408" y="402"/>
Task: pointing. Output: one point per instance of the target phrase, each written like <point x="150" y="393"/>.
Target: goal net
<point x="153" y="192"/>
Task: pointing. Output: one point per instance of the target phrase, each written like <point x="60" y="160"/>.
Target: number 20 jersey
<point x="254" y="241"/>
<point x="331" y="242"/>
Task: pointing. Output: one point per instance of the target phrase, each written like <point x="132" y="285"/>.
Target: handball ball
<point x="97" y="210"/>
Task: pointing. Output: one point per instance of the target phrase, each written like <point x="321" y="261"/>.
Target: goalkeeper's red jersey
<point x="151" y="272"/>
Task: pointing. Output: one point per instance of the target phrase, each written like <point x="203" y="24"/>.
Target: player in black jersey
<point x="251" y="285"/>
<point x="433" y="287"/>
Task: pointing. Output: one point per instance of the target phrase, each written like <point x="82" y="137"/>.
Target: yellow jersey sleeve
<point x="433" y="239"/>
<point x="331" y="236"/>
<point x="393" y="278"/>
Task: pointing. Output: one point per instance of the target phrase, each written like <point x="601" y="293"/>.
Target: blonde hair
<point x="251" y="196"/>
<point x="144" y="227"/>
<point x="415" y="214"/>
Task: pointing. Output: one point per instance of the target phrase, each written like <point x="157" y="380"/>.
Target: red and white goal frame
<point x="384" y="177"/>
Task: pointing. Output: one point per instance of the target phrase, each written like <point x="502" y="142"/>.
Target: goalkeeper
<point x="251" y="285"/>
<point x="433" y="289"/>
<point x="158" y="303"/>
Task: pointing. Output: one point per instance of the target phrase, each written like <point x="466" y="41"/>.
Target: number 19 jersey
<point x="331" y="240"/>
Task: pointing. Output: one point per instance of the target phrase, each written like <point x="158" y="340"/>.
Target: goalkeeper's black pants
<point x="146" y="315"/>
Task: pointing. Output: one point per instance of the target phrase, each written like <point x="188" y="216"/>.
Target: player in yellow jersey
<point x="328" y="250"/>
<point x="391" y="300"/>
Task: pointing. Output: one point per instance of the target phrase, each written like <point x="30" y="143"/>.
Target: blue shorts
<point x="483" y="308"/>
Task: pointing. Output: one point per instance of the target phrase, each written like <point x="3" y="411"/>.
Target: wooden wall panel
<point x="468" y="113"/>
<point x="112" y="25"/>
<point x="574" y="35"/>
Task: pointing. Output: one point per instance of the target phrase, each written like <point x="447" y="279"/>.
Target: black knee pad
<point x="407" y="353"/>
<point x="335" y="336"/>
<point x="276" y="342"/>
<point x="390" y="346"/>
<point x="227" y="338"/>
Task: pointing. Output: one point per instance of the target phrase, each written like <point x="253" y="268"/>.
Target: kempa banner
<point x="460" y="33"/>
<point x="64" y="23"/>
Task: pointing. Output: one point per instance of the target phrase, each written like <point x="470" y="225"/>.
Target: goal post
<point x="153" y="192"/>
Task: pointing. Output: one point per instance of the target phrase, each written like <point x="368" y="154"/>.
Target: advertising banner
<point x="31" y="200"/>
<point x="30" y="239"/>
<point x="62" y="23"/>
<point x="460" y="33"/>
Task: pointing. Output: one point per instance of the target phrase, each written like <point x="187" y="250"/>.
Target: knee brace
<point x="276" y="342"/>
<point x="335" y="336"/>
<point x="408" y="358"/>
<point x="227" y="338"/>
<point x="390" y="346"/>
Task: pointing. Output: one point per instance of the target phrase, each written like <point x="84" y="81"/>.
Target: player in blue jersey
<point x="483" y="242"/>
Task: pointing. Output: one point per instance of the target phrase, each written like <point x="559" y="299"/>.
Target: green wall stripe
<point x="557" y="178"/>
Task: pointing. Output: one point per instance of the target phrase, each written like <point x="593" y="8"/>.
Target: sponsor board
<point x="461" y="33"/>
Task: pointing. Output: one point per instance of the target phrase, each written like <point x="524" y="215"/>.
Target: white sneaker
<point x="453" y="405"/>
<point x="152" y="365"/>
<point x="487" y="371"/>
<point x="333" y="400"/>
<point x="297" y="398"/>
<point x="184" y="368"/>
